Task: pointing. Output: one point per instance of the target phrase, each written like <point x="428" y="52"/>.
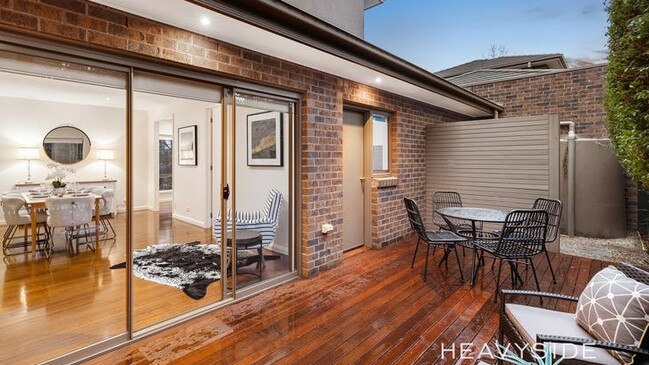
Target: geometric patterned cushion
<point x="614" y="308"/>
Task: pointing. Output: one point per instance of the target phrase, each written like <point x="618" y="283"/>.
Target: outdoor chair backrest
<point x="414" y="217"/>
<point x="523" y="233"/>
<point x="554" y="208"/>
<point x="69" y="212"/>
<point x="444" y="199"/>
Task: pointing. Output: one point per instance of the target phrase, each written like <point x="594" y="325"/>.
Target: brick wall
<point x="408" y="165"/>
<point x="91" y="25"/>
<point x="574" y="94"/>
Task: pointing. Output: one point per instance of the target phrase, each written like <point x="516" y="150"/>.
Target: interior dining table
<point x="35" y="201"/>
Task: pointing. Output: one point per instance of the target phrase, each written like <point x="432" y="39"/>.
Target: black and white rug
<point x="191" y="267"/>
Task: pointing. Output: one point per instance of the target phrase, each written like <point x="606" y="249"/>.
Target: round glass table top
<point x="475" y="214"/>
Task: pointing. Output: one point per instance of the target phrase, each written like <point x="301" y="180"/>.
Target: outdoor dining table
<point x="34" y="202"/>
<point x="475" y="216"/>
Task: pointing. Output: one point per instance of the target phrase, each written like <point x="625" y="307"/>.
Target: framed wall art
<point x="187" y="140"/>
<point x="265" y="144"/>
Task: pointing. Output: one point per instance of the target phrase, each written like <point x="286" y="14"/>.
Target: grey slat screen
<point x="501" y="163"/>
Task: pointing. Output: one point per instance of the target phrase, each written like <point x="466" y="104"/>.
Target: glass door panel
<point x="62" y="126"/>
<point x="176" y="260"/>
<point x="263" y="188"/>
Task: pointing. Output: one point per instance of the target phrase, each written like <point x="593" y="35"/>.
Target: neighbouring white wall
<point x="25" y="122"/>
<point x="348" y="15"/>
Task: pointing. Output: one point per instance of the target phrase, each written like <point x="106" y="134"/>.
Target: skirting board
<point x="189" y="220"/>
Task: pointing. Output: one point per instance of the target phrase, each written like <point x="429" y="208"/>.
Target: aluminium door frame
<point x="113" y="60"/>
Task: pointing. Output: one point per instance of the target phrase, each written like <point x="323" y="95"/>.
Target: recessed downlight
<point x="378" y="80"/>
<point x="205" y="21"/>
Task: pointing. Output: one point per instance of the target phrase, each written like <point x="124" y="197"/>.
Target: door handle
<point x="362" y="178"/>
<point x="226" y="192"/>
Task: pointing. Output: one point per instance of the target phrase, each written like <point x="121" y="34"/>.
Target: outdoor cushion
<point x="614" y="308"/>
<point x="531" y="321"/>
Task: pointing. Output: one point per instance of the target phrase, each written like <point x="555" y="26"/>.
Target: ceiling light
<point x="378" y="80"/>
<point x="205" y="20"/>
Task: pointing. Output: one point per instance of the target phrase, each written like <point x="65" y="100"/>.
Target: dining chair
<point x="74" y="214"/>
<point x="554" y="208"/>
<point x="444" y="199"/>
<point x="522" y="238"/>
<point x="445" y="239"/>
<point x="106" y="211"/>
<point x="18" y="217"/>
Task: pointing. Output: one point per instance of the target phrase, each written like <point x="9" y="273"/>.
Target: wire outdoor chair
<point x="554" y="208"/>
<point x="445" y="239"/>
<point x="523" y="237"/>
<point x="450" y="199"/>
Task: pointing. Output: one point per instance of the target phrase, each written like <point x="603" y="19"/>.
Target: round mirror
<point x="66" y="145"/>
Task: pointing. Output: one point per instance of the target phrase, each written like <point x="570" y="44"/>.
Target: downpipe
<point x="572" y="137"/>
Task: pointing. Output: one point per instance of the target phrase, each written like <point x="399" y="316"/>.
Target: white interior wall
<point x="141" y="165"/>
<point x="191" y="195"/>
<point x="25" y="122"/>
<point x="254" y="182"/>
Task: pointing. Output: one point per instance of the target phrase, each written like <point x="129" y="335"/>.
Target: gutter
<point x="290" y="22"/>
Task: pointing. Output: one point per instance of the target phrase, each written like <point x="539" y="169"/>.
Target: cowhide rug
<point x="191" y="267"/>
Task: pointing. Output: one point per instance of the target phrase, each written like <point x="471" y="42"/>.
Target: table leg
<point x="96" y="223"/>
<point x="474" y="268"/>
<point x="32" y="211"/>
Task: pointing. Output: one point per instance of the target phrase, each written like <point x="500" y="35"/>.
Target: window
<point x="166" y="162"/>
<point x="380" y="144"/>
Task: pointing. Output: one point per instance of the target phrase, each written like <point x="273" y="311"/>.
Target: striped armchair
<point x="264" y="221"/>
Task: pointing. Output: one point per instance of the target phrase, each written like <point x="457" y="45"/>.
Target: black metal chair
<point x="554" y="208"/>
<point x="448" y="199"/>
<point x="444" y="239"/>
<point x="522" y="238"/>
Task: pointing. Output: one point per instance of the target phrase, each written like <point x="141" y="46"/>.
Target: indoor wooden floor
<point x="374" y="309"/>
<point x="75" y="300"/>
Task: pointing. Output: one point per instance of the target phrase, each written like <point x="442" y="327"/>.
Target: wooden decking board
<point x="374" y="309"/>
<point x="291" y="310"/>
<point x="326" y="303"/>
<point x="358" y="338"/>
<point x="336" y="326"/>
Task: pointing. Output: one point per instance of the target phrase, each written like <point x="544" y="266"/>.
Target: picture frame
<point x="187" y="146"/>
<point x="265" y="144"/>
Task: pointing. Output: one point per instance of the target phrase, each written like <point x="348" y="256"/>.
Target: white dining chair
<point x="74" y="214"/>
<point x="17" y="217"/>
<point x="106" y="211"/>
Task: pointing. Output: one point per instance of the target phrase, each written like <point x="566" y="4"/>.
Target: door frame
<point x="368" y="175"/>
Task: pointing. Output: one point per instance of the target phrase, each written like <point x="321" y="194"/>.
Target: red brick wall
<point x="575" y="94"/>
<point x="91" y="25"/>
<point x="408" y="148"/>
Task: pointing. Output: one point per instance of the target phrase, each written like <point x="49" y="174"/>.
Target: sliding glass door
<point x="192" y="201"/>
<point x="63" y="127"/>
<point x="176" y="261"/>
<point x="263" y="161"/>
